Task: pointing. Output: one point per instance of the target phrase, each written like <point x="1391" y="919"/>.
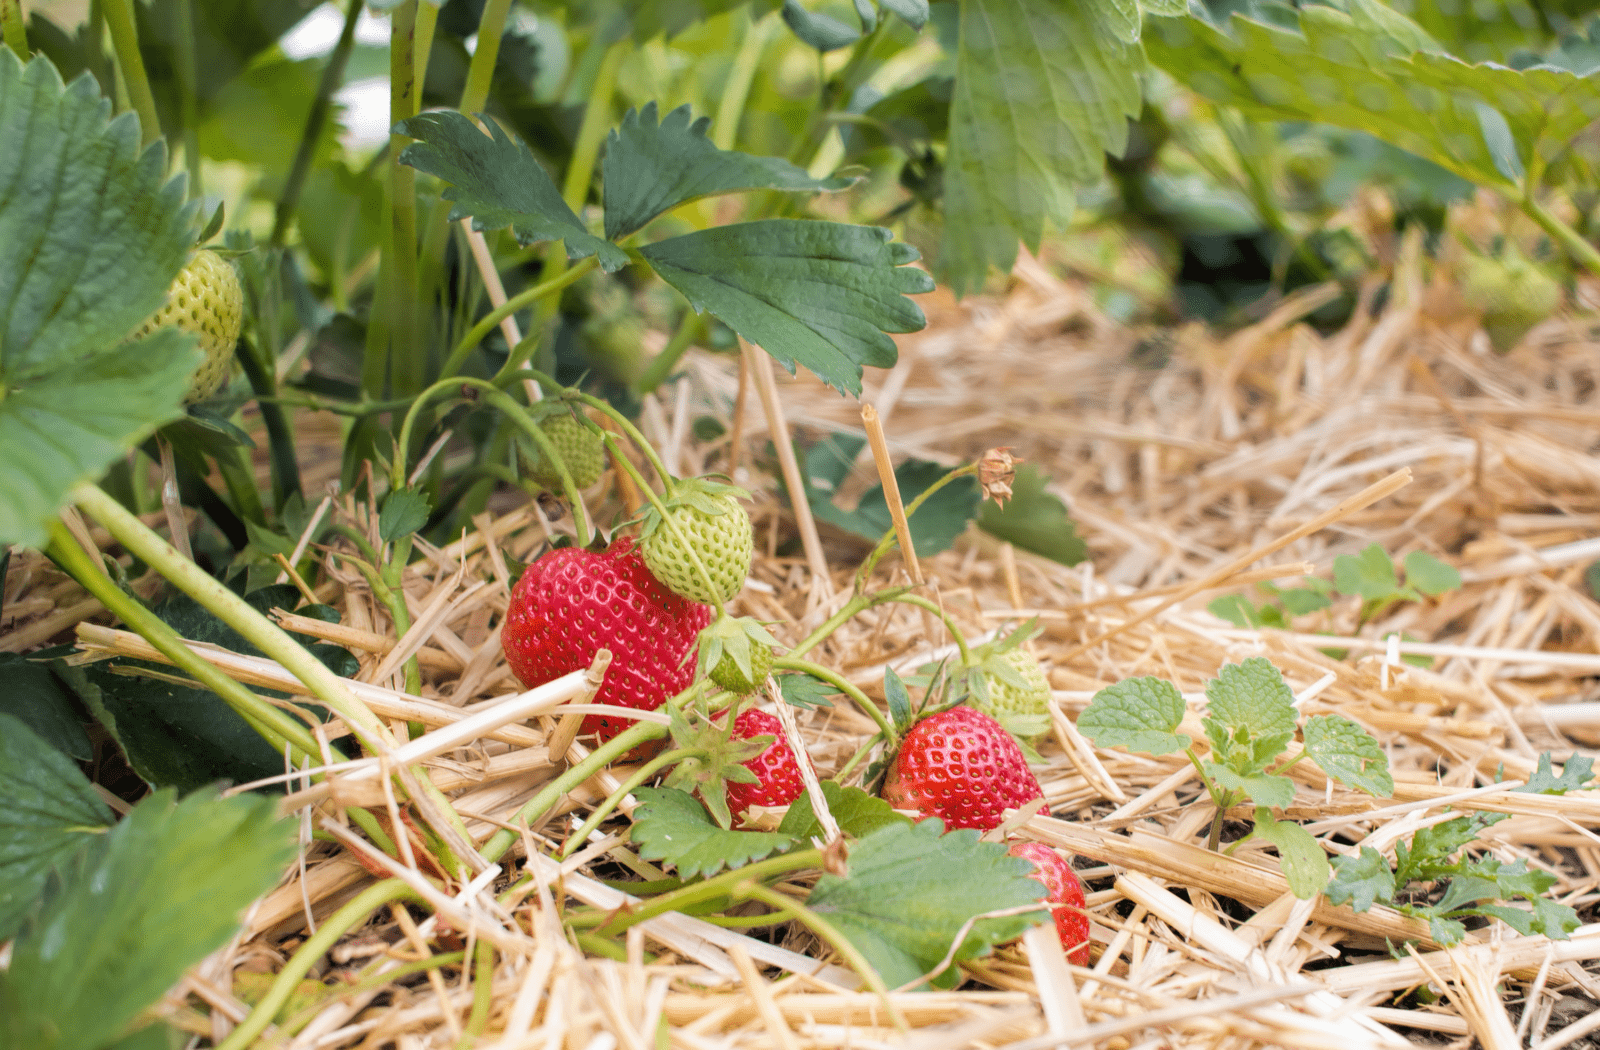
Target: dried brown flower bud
<point x="997" y="468"/>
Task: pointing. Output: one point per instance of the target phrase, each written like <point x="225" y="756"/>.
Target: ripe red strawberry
<point x="1062" y="886"/>
<point x="779" y="773"/>
<point x="962" y="767"/>
<point x="571" y="603"/>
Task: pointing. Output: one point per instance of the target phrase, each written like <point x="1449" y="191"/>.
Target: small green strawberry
<point x="1006" y="682"/>
<point x="705" y="528"/>
<point x="206" y="300"/>
<point x="736" y="654"/>
<point x="1512" y="293"/>
<point x="579" y="447"/>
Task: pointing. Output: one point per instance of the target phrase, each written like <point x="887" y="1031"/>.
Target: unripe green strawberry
<point x="1512" y="293"/>
<point x="579" y="447"/>
<point x="1006" y="698"/>
<point x="705" y="518"/>
<point x="207" y="300"/>
<point x="727" y="674"/>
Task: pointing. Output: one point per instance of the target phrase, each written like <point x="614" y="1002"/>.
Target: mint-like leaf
<point x="1034" y="520"/>
<point x="909" y="890"/>
<point x="167" y="887"/>
<point x="1369" y="574"/>
<point x="1575" y="776"/>
<point x="855" y="811"/>
<point x="1140" y="714"/>
<point x="1042" y="91"/>
<point x="496" y="180"/>
<point x="819" y="294"/>
<point x="1250" y="717"/>
<point x="94" y="233"/>
<point x="1264" y="789"/>
<point x="652" y="167"/>
<point x="1430" y="575"/>
<point x="674" y="827"/>
<point x="1362" y="880"/>
<point x="1304" y="863"/>
<point x="404" y="512"/>
<point x="1348" y="753"/>
<point x="51" y="814"/>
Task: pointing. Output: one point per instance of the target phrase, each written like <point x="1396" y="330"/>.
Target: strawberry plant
<point x="1369" y="575"/>
<point x="1250" y="720"/>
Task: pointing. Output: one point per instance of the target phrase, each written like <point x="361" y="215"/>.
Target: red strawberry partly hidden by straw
<point x="572" y="603"/>
<point x="777" y="772"/>
<point x="961" y="766"/>
<point x="1062" y="887"/>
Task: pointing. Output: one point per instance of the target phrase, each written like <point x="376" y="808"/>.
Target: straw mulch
<point x="1184" y="476"/>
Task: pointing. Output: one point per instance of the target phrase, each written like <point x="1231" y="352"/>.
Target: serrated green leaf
<point x="1042" y="91"/>
<point x="1140" y="714"/>
<point x="1250" y="716"/>
<point x="167" y="888"/>
<point x="818" y="294"/>
<point x="806" y="692"/>
<point x="1264" y="789"/>
<point x="1304" y="863"/>
<point x="35" y="698"/>
<point x="496" y="180"/>
<point x="1348" y="753"/>
<point x="817" y="30"/>
<point x="94" y="234"/>
<point x="1362" y="880"/>
<point x="1430" y="575"/>
<point x="51" y="814"/>
<point x="1575" y="776"/>
<point x="909" y="890"/>
<point x="673" y="827"/>
<point x="1034" y="520"/>
<point x="855" y="811"/>
<point x="651" y="167"/>
<point x="404" y="512"/>
<point x="1429" y="857"/>
<point x="1369" y="575"/>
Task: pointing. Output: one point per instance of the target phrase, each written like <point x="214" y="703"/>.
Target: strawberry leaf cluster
<point x="1250" y="721"/>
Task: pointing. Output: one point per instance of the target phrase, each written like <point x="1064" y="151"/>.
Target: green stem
<point x="280" y="438"/>
<point x="596" y="122"/>
<point x="188" y="105"/>
<point x="239" y="475"/>
<point x="491" y="320"/>
<point x="272" y="640"/>
<point x="955" y="632"/>
<point x="736" y="91"/>
<point x="1573" y="242"/>
<point x="480" y="72"/>
<point x="892" y="538"/>
<point x="276" y="726"/>
<point x="368" y="823"/>
<point x="605" y="408"/>
<point x="605" y="809"/>
<point x="405" y="368"/>
<point x="318" y="403"/>
<point x="125" y="41"/>
<point x="482" y="986"/>
<point x="689" y="329"/>
<point x="855" y="759"/>
<point x="316" y="946"/>
<point x="845" y="686"/>
<point x="859" y="604"/>
<point x="15" y="27"/>
<point x="332" y="77"/>
<point x="518" y="415"/>
<point x="718" y="886"/>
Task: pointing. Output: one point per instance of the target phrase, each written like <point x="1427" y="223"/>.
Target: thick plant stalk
<point x="188" y="103"/>
<point x="14" y="25"/>
<point x="402" y="231"/>
<point x="332" y="77"/>
<point x="125" y="41"/>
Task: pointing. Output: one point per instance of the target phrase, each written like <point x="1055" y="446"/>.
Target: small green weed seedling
<point x="1250" y="720"/>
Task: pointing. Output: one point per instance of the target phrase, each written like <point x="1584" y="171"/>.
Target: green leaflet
<point x="673" y="826"/>
<point x="91" y="244"/>
<point x="1349" y="754"/>
<point x="51" y="814"/>
<point x="1300" y="855"/>
<point x="1043" y="89"/>
<point x="856" y="812"/>
<point x="1140" y="714"/>
<point x="1034" y="520"/>
<point x="818" y="294"/>
<point x="167" y="887"/>
<point x="1250" y="716"/>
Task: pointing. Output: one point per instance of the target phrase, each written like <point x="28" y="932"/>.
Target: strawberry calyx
<point x="736" y="654"/>
<point x="1006" y="682"/>
<point x="717" y="759"/>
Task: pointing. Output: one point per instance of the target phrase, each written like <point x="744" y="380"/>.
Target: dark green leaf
<point x="1034" y="520"/>
<point x="909" y="890"/>
<point x="652" y="167"/>
<point x="51" y="813"/>
<point x="1043" y="90"/>
<point x="806" y="692"/>
<point x="167" y="888"/>
<point x="1140" y="714"/>
<point x="404" y="512"/>
<point x="1250" y="717"/>
<point x="894" y="691"/>
<point x="1363" y="880"/>
<point x="1430" y="575"/>
<point x="1349" y="754"/>
<point x="1304" y="863"/>
<point x="34" y="697"/>
<point x="934" y="526"/>
<point x="93" y="234"/>
<point x="1575" y="775"/>
<point x="856" y="812"/>
<point x="674" y="827"/>
<point x="818" y="294"/>
<point x="496" y="180"/>
<point x="823" y="32"/>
